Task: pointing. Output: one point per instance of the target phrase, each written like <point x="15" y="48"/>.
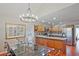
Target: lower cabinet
<point x="58" y="45"/>
<point x="50" y="43"/>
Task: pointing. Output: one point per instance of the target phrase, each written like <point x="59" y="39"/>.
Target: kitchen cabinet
<point x="39" y="28"/>
<point x="52" y="43"/>
<point x="55" y="29"/>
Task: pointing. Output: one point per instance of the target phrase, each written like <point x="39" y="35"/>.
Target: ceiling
<point x="68" y="15"/>
<point x="67" y="12"/>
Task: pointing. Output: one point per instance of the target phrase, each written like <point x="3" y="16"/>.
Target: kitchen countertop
<point x="48" y="37"/>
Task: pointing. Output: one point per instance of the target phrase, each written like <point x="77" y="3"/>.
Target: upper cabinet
<point x="39" y="28"/>
<point x="42" y="28"/>
<point x="55" y="29"/>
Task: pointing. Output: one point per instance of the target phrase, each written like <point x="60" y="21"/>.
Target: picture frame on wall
<point x="15" y="30"/>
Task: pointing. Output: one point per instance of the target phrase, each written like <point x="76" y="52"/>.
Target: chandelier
<point x="28" y="17"/>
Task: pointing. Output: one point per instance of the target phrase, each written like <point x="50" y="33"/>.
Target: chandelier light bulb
<point x="36" y="17"/>
<point x="32" y="15"/>
<point x="27" y="14"/>
<point x="20" y="16"/>
<point x="54" y="18"/>
<point x="23" y="15"/>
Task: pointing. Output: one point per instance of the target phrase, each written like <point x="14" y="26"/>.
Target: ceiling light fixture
<point x="54" y="18"/>
<point x="28" y="17"/>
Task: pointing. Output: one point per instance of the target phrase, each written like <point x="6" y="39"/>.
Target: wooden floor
<point x="72" y="50"/>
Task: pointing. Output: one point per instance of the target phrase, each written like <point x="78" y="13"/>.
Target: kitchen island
<point x="56" y="43"/>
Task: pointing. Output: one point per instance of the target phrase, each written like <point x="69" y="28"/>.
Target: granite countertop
<point x="48" y="37"/>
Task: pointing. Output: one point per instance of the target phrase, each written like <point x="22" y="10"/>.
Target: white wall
<point x="2" y="34"/>
<point x="29" y="31"/>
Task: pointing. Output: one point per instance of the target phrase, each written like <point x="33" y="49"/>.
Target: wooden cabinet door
<point x="40" y="28"/>
<point x="44" y="42"/>
<point x="50" y="43"/>
<point x="59" y="44"/>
